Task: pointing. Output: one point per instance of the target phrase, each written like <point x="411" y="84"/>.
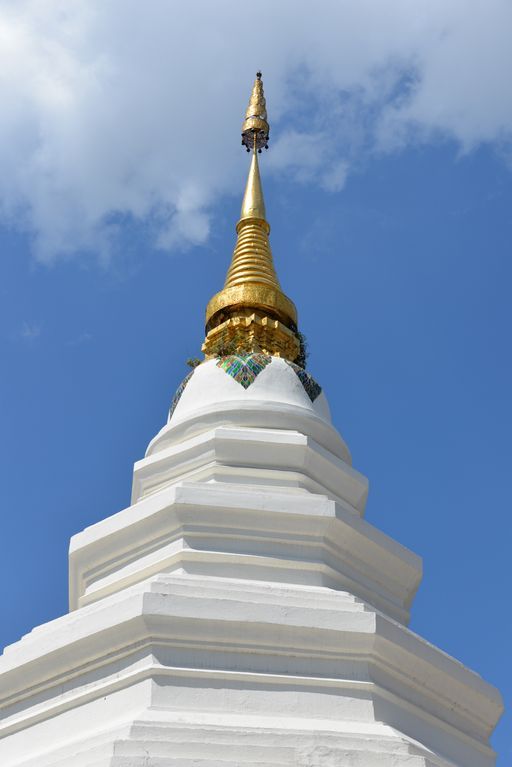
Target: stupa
<point x="241" y="611"/>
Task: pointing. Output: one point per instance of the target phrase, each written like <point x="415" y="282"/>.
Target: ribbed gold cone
<point x="252" y="259"/>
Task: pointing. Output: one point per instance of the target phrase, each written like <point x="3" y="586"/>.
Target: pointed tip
<point x="253" y="204"/>
<point x="255" y="128"/>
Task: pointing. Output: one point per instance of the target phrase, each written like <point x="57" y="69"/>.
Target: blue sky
<point x="389" y="191"/>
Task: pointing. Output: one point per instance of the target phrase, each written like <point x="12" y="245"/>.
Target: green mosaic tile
<point x="244" y="368"/>
<point x="312" y="389"/>
<point x="179" y="392"/>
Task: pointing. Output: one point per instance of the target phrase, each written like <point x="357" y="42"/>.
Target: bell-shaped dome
<point x="248" y="378"/>
<point x="251" y="390"/>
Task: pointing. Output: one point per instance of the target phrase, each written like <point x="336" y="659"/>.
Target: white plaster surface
<point x="277" y="383"/>
<point x="206" y="661"/>
<point x="241" y="612"/>
<point x="247" y="531"/>
<point x="278" y="457"/>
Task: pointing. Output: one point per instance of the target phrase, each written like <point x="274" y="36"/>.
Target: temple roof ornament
<point x="255" y="128"/>
<point x="251" y="313"/>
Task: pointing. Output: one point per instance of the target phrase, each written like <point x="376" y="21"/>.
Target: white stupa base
<point x="203" y="742"/>
<point x="241" y="612"/>
<point x="184" y="670"/>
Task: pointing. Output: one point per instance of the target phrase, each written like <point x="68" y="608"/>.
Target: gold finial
<point x="255" y="128"/>
<point x="252" y="313"/>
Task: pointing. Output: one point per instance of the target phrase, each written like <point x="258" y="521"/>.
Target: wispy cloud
<point x="83" y="338"/>
<point x="30" y="331"/>
<point x="125" y="109"/>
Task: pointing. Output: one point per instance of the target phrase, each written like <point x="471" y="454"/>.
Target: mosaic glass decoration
<point x="244" y="368"/>
<point x="311" y="387"/>
<point x="179" y="392"/>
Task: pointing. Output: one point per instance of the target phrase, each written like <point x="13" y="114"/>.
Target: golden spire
<point x="252" y="313"/>
<point x="253" y="204"/>
<point x="252" y="257"/>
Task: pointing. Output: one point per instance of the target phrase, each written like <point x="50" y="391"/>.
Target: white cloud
<point x="30" y="331"/>
<point x="80" y="340"/>
<point x="127" y="109"/>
